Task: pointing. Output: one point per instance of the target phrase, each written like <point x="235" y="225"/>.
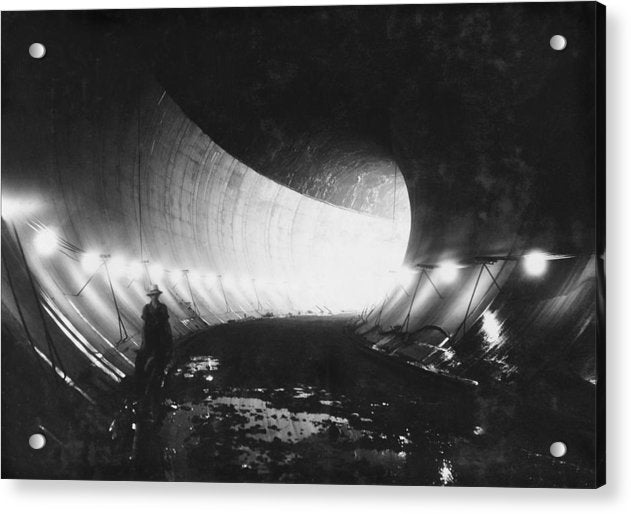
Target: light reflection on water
<point x="198" y="365"/>
<point x="492" y="329"/>
<point x="372" y="433"/>
<point x="282" y="423"/>
<point x="446" y="475"/>
<point x="260" y="429"/>
<point x="494" y="340"/>
<point x="256" y="427"/>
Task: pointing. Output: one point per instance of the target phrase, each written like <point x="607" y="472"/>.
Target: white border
<point x="107" y="497"/>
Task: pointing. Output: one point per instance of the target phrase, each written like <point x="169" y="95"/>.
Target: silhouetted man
<point x="156" y="342"/>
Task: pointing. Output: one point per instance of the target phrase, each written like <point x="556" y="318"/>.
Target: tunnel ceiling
<point x="332" y="101"/>
<point x="465" y="100"/>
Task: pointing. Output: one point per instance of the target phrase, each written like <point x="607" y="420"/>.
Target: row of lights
<point x="119" y="267"/>
<point x="534" y="263"/>
<point x="46" y="242"/>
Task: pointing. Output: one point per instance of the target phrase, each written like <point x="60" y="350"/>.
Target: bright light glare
<point x="446" y="476"/>
<point x="12" y="208"/>
<point x="405" y="274"/>
<point x="117" y="266"/>
<point x="245" y="283"/>
<point x="135" y="270"/>
<point x="155" y="271"/>
<point x="227" y="281"/>
<point x="535" y="263"/>
<point x="46" y="241"/>
<point x="90" y="262"/>
<point x="492" y="330"/>
<point x="447" y="272"/>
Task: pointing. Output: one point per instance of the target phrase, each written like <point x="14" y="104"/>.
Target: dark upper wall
<point x="492" y="129"/>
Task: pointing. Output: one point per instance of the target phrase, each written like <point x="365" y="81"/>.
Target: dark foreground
<point x="293" y="400"/>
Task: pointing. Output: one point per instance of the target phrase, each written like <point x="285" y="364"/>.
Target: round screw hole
<point x="37" y="441"/>
<point x="558" y="42"/>
<point x="37" y="50"/>
<point x="558" y="449"/>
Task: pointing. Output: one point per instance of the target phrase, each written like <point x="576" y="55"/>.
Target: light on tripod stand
<point x="447" y="272"/>
<point x="535" y="263"/>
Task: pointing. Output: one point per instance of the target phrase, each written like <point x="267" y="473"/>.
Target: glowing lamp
<point x="91" y="261"/>
<point x="46" y="241"/>
<point x="447" y="272"/>
<point x="535" y="263"/>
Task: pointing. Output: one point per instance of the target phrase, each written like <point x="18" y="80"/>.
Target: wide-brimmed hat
<point x="153" y="289"/>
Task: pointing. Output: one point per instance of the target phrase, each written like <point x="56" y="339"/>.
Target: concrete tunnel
<point x="145" y="170"/>
<point x="167" y="205"/>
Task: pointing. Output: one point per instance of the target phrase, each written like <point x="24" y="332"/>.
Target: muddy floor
<point x="293" y="400"/>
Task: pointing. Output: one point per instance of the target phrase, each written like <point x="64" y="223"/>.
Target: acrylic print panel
<point x="348" y="245"/>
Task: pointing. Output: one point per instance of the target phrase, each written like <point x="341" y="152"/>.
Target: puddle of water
<point x="303" y="434"/>
<point x="198" y="365"/>
<point x="272" y="434"/>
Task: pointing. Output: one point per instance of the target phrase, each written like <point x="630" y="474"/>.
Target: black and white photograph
<point x="350" y="245"/>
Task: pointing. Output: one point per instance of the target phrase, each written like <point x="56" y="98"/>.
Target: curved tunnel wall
<point x="166" y="205"/>
<point x="224" y="242"/>
<point x="495" y="141"/>
<point x="76" y="168"/>
<point x="494" y="321"/>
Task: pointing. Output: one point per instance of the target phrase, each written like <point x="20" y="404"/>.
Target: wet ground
<point x="293" y="400"/>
